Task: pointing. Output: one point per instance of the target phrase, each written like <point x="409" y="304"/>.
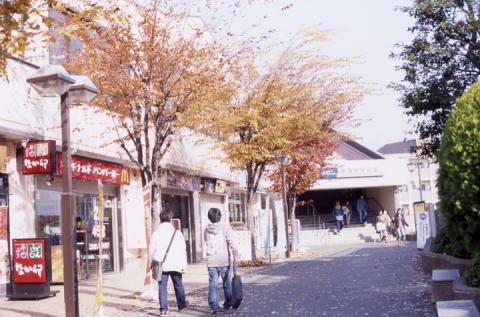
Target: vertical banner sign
<point x="423" y="228"/>
<point x="99" y="293"/>
<point x="29" y="261"/>
<point x="147" y="202"/>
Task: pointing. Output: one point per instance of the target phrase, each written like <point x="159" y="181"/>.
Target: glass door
<point x="88" y="231"/>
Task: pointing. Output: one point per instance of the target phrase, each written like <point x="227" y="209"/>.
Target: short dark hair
<point x="166" y="216"/>
<point x="214" y="215"/>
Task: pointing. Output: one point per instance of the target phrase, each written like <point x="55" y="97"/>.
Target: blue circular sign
<point x="422" y="216"/>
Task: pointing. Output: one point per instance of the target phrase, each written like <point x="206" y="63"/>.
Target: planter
<point x="436" y="261"/>
<point x="462" y="291"/>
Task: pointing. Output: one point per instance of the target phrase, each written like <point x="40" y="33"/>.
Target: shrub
<point x="472" y="273"/>
<point x="459" y="173"/>
<point x="443" y="244"/>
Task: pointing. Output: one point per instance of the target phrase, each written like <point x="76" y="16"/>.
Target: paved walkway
<point x="360" y="280"/>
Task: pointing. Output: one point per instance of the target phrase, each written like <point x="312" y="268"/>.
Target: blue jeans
<point x="401" y="233"/>
<point x="362" y="214"/>
<point x="177" y="286"/>
<point x="348" y="218"/>
<point x="213" y="273"/>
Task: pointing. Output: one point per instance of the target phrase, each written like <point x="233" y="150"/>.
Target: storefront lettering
<point x="21" y="270"/>
<point x="88" y="169"/>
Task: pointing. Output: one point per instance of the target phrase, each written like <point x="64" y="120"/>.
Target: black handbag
<point x="237" y="289"/>
<point x="156" y="266"/>
<point x="237" y="285"/>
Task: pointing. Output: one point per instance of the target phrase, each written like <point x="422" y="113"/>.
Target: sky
<point x="368" y="29"/>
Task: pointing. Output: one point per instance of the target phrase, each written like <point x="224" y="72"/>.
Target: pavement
<point x="349" y="280"/>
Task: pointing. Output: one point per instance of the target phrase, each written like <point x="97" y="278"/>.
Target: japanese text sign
<point x="88" y="169"/>
<point x="39" y="157"/>
<point x="29" y="261"/>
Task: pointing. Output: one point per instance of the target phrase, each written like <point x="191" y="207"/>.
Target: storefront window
<point x="236" y="207"/>
<point x="48" y="205"/>
<point x="48" y="208"/>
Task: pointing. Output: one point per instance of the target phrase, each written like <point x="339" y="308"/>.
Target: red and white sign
<point x="88" y="169"/>
<point x="29" y="261"/>
<point x="39" y="157"/>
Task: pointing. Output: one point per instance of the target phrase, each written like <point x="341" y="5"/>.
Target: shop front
<point x="177" y="189"/>
<point x="86" y="173"/>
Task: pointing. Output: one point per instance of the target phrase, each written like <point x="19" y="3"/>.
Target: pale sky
<point x="368" y="29"/>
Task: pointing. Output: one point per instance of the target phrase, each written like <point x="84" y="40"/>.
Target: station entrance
<point x="314" y="207"/>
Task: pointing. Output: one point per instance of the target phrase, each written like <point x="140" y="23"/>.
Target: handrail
<point x="376" y="202"/>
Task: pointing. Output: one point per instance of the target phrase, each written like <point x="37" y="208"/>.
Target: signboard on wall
<point x="29" y="261"/>
<point x="39" y="157"/>
<point x="93" y="170"/>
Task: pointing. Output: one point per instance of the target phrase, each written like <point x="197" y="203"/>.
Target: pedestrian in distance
<point x="168" y="247"/>
<point x="381" y="226"/>
<point x="362" y="208"/>
<point x="347" y="210"/>
<point x="388" y="222"/>
<point x="221" y="251"/>
<point x="400" y="224"/>
<point x="337" y="212"/>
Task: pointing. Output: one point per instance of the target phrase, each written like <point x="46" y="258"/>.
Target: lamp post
<point x="285" y="160"/>
<point x="54" y="80"/>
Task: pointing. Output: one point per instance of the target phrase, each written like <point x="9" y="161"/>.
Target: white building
<point x="422" y="174"/>
<point x="354" y="170"/>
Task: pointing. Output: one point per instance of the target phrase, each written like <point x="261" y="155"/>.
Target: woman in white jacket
<point x="175" y="262"/>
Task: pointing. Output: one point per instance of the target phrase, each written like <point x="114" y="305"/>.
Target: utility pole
<point x="285" y="207"/>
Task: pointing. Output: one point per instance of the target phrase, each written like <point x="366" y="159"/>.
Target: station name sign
<point x="351" y="172"/>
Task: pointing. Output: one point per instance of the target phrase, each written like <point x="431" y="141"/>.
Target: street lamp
<point x="54" y="80"/>
<point x="285" y="160"/>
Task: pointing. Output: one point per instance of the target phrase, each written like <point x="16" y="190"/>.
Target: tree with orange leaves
<point x="290" y="107"/>
<point x="151" y="69"/>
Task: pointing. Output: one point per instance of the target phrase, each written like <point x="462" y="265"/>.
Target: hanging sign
<point x="29" y="265"/>
<point x="93" y="170"/>
<point x="39" y="157"/>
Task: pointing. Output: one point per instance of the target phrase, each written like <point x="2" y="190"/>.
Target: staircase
<point x="356" y="233"/>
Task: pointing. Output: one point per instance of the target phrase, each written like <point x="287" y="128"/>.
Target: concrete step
<point x="349" y="235"/>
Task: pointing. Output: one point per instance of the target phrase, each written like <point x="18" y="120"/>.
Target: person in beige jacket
<point x="175" y="262"/>
<point x="221" y="251"/>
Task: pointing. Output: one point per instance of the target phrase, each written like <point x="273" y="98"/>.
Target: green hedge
<point x="459" y="174"/>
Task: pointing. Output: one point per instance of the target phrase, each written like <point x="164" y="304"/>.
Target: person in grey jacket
<point x="221" y="250"/>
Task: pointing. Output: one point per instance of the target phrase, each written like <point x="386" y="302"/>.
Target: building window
<point x="406" y="210"/>
<point x="236" y="207"/>
<point x="413" y="185"/>
<point x="426" y="186"/>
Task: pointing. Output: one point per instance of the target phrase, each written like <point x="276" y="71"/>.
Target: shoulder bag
<point x="156" y="266"/>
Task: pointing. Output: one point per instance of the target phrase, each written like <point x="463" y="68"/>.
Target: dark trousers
<point x="339" y="225"/>
<point x="177" y="286"/>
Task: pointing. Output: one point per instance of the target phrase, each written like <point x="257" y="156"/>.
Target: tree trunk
<point x="156" y="204"/>
<point x="292" y="204"/>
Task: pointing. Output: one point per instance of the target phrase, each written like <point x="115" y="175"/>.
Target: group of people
<point x="396" y="226"/>
<point x="343" y="214"/>
<point x="168" y="247"/>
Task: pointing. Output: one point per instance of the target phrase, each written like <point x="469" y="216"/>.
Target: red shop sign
<point x="29" y="261"/>
<point x="39" y="157"/>
<point x="88" y="169"/>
